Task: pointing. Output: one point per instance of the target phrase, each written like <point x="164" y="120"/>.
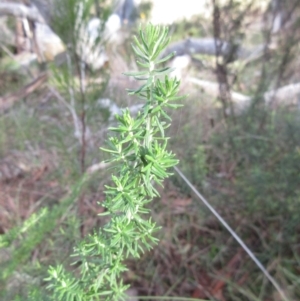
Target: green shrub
<point x="140" y="160"/>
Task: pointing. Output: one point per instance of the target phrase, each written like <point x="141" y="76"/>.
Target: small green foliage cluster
<point x="20" y="241"/>
<point x="138" y="149"/>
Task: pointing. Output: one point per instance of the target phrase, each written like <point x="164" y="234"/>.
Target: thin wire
<point x="166" y="298"/>
<point x="234" y="234"/>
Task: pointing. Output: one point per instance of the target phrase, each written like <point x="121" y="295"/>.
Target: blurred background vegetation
<point x="237" y="138"/>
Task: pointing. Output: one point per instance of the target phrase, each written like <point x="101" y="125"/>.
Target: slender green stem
<point x="138" y="150"/>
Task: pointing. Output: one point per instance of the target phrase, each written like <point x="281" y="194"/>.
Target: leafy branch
<point x="138" y="149"/>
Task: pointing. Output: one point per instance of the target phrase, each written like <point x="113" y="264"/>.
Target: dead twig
<point x="8" y="101"/>
<point x="21" y="11"/>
